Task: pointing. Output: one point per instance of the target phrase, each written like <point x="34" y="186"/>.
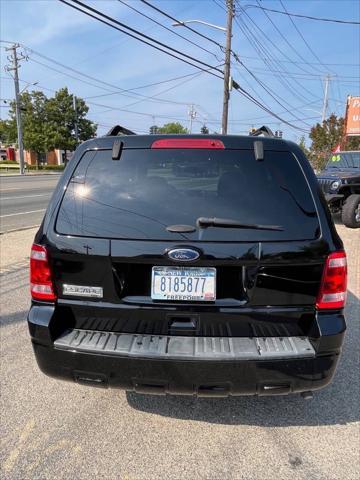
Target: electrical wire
<point x="148" y="85"/>
<point x="136" y="34"/>
<point x="168" y="29"/>
<point x="120" y="91"/>
<point x="183" y="24"/>
<point x="300" y="34"/>
<point x="260" y="48"/>
<point x="271" y="93"/>
<point x="283" y="37"/>
<point x="334" y="20"/>
<point x="238" y="88"/>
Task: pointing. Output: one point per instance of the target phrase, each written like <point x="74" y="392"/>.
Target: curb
<point x="29" y="174"/>
<point x="20" y="229"/>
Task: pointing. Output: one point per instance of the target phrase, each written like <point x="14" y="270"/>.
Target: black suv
<point x="201" y="265"/>
<point x="340" y="182"/>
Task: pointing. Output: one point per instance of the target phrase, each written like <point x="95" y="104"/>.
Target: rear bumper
<point x="212" y="366"/>
<point x="191" y="377"/>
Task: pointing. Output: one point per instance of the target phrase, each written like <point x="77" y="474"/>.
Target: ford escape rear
<point x="189" y="265"/>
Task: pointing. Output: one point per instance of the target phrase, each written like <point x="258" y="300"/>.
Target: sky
<point x="281" y="64"/>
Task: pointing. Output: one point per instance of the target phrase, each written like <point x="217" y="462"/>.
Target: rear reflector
<point x="41" y="284"/>
<point x="332" y="292"/>
<point x="205" y="143"/>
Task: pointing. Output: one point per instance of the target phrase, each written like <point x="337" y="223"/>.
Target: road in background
<point x="23" y="200"/>
<point x="53" y="429"/>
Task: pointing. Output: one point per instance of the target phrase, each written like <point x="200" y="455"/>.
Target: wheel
<point x="350" y="214"/>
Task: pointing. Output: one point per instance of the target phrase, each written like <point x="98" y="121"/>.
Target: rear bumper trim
<point x="185" y="348"/>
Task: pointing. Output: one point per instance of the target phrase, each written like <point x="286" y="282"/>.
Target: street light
<point x="181" y="24"/>
<point x="227" y="79"/>
<point x="27" y="86"/>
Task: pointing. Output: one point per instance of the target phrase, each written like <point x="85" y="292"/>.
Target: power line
<point x="148" y="85"/>
<point x="283" y="36"/>
<point x="235" y="85"/>
<point x="267" y="38"/>
<point x="112" y="108"/>
<point x="270" y="92"/>
<point x="185" y="26"/>
<point x="120" y="91"/>
<point x="136" y="34"/>
<point x="271" y="60"/>
<point x="168" y="89"/>
<point x="168" y="29"/>
<point x="301" y="35"/>
<point x="259" y="48"/>
<point x="334" y="20"/>
<point x="266" y="109"/>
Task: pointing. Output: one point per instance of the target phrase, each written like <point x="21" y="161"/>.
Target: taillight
<point x="332" y="293"/>
<point x="41" y="284"/>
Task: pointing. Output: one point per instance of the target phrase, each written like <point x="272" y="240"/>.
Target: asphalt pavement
<point x="57" y="430"/>
<point x="23" y="200"/>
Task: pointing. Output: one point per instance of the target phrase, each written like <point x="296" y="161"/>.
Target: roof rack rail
<point x="264" y="130"/>
<point x="119" y="130"/>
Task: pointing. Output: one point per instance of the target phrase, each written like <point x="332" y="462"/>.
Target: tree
<point x="48" y="123"/>
<point x="204" y="130"/>
<point x="33" y="116"/>
<point x="7" y="135"/>
<point x="303" y="147"/>
<point x="62" y="117"/>
<point x="173" y="127"/>
<point x="325" y="137"/>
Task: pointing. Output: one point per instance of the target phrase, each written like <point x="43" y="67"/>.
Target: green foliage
<point x="8" y="133"/>
<point x="303" y="147"/>
<point x="48" y="123"/>
<point x="8" y="162"/>
<point x="61" y="119"/>
<point x="173" y="128"/>
<point x="54" y="168"/>
<point x="204" y="130"/>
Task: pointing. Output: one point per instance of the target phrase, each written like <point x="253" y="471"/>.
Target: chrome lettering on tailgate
<point x="82" y="291"/>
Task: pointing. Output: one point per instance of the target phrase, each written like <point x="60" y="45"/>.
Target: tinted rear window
<point x="145" y="191"/>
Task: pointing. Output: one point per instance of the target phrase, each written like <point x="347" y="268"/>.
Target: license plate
<point x="183" y="284"/>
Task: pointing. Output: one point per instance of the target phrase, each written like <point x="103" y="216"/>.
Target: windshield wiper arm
<point x="205" y="222"/>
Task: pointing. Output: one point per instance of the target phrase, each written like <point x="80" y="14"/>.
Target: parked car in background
<point x="199" y="265"/>
<point x="340" y="183"/>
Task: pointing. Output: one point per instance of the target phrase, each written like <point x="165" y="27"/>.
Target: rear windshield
<point x="146" y="191"/>
<point x="344" y="160"/>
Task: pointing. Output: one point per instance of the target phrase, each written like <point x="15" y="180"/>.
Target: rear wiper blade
<point x="205" y="222"/>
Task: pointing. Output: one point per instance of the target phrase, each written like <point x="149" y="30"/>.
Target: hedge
<point x="10" y="164"/>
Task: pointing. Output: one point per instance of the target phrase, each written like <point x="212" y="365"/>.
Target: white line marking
<point x="22" y="213"/>
<point x="27" y="196"/>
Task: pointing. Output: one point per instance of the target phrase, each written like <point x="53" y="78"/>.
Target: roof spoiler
<point x="119" y="130"/>
<point x="264" y="130"/>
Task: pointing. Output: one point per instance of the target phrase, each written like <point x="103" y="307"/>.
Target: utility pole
<point x="227" y="78"/>
<point x="326" y="94"/>
<point x="76" y="126"/>
<point x="192" y="115"/>
<point x="13" y="67"/>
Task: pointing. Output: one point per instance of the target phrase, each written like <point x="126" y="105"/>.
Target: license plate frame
<point x="206" y="289"/>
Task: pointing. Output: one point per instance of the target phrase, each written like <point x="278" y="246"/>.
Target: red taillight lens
<point x="332" y="293"/>
<point x="41" y="284"/>
<point x="206" y="143"/>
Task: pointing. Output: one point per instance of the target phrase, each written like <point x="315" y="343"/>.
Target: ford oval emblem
<point x="183" y="254"/>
